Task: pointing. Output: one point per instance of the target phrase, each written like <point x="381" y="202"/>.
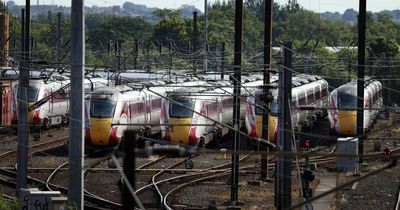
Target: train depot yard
<point x="267" y="105"/>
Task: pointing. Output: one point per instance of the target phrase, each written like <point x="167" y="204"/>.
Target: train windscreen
<point x="346" y="100"/>
<point x="178" y="111"/>
<point x="274" y="107"/>
<point x="259" y="110"/>
<point x="102" y="108"/>
<point x="32" y="94"/>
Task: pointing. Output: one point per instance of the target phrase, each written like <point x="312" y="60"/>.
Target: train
<point x="193" y="124"/>
<point x="307" y="91"/>
<point x="48" y="101"/>
<point x="109" y="111"/>
<point x="343" y="103"/>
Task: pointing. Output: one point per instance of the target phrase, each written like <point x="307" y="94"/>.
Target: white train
<point x="183" y="126"/>
<point x="343" y="104"/>
<point x="49" y="101"/>
<point x="307" y="91"/>
<point x="111" y="111"/>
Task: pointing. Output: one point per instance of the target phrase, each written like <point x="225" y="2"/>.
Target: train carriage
<point x="111" y="111"/>
<point x="308" y="91"/>
<point x="49" y="101"/>
<point x="183" y="126"/>
<point x="343" y="107"/>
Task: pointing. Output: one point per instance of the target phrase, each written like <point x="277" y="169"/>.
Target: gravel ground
<point x="375" y="192"/>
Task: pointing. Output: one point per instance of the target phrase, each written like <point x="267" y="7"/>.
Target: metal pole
<point x="170" y="57"/>
<point x="267" y="67"/>
<point x="222" y="60"/>
<point x="27" y="29"/>
<point x="283" y="194"/>
<point x="194" y="40"/>
<point x="76" y="126"/>
<point x="135" y="55"/>
<point x="3" y="38"/>
<point x="58" y="38"/>
<point x="205" y="36"/>
<point x="148" y="62"/>
<point x="23" y="127"/>
<point x="129" y="167"/>
<point x="236" y="102"/>
<point x="360" y="76"/>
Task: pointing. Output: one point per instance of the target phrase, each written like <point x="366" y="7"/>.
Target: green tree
<point x="170" y="27"/>
<point x="381" y="47"/>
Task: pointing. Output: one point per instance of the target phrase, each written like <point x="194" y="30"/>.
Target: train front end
<point x="100" y="107"/>
<point x="180" y="125"/>
<point x="34" y="92"/>
<point x="343" y="112"/>
<point x="254" y="116"/>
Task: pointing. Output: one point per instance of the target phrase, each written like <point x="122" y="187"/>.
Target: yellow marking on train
<point x="100" y="131"/>
<point x="271" y="126"/>
<point x="259" y="123"/>
<point x="347" y="122"/>
<point x="30" y="114"/>
<point x="180" y="132"/>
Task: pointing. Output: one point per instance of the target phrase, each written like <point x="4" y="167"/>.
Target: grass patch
<point x="7" y="204"/>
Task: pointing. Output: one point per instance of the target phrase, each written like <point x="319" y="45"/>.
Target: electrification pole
<point x="194" y="40"/>
<point x="205" y="36"/>
<point x="58" y="38"/>
<point x="76" y="125"/>
<point x="360" y="76"/>
<point x="236" y="103"/>
<point x="283" y="180"/>
<point x="222" y="60"/>
<point x="23" y="126"/>
<point x="267" y="68"/>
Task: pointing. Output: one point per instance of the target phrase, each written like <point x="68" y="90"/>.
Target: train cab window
<point x="32" y="94"/>
<point x="102" y="108"/>
<point x="178" y="111"/>
<point x="273" y="106"/>
<point x="346" y="100"/>
<point x="258" y="109"/>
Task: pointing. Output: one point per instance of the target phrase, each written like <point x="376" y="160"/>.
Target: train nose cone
<point x="100" y="131"/>
<point x="180" y="132"/>
<point x="271" y="127"/>
<point x="259" y="125"/>
<point x="30" y="114"/>
<point x="347" y="122"/>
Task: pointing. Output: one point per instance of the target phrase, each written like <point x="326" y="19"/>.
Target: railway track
<point x="398" y="200"/>
<point x="162" y="181"/>
<point x="35" y="148"/>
